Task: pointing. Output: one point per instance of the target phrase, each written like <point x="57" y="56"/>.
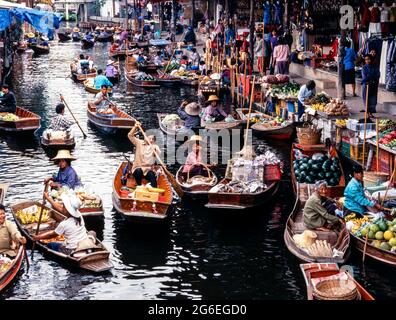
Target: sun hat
<point x="64" y="154"/>
<point x="193" y="109"/>
<point x="75" y="29"/>
<point x="213" y="97"/>
<point x="30" y="35"/>
<point x="196" y="139"/>
<point x="305" y="239"/>
<point x="109" y="62"/>
<point x="72" y="203"/>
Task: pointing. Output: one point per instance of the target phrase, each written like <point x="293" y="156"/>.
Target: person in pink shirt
<point x="194" y="160"/>
<point x="281" y="57"/>
<point x="214" y="110"/>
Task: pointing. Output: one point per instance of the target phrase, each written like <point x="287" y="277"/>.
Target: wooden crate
<point x="356" y="152"/>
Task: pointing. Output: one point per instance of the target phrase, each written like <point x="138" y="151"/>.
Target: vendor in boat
<point x="111" y="72"/>
<point x="214" y="110"/>
<point x="316" y="215"/>
<point x="101" y="80"/>
<point x="73" y="228"/>
<point x="83" y="64"/>
<point x="66" y="175"/>
<point x="102" y="101"/>
<point x="189" y="112"/>
<point x="60" y="122"/>
<point x="88" y="36"/>
<point x="194" y="161"/>
<point x="144" y="157"/>
<point x="190" y="36"/>
<point x="7" y="100"/>
<point x="158" y="59"/>
<point x="356" y="200"/>
<point x="194" y="57"/>
<point x="8" y="234"/>
<point x="306" y="91"/>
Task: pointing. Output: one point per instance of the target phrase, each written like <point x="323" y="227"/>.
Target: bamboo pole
<point x="263" y="71"/>
<point x="365" y="127"/>
<point x="244" y="81"/>
<point x="377" y="142"/>
<point x="250" y="110"/>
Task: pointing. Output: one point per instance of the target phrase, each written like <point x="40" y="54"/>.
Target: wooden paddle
<point x="63" y="100"/>
<point x="170" y="176"/>
<point x="40" y="216"/>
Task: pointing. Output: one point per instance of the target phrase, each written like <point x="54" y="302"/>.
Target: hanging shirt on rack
<point x="391" y="66"/>
<point x="384" y="53"/>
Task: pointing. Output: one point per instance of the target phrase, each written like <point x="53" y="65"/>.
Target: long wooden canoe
<point x="86" y="44"/>
<point x="76" y="36"/>
<point x="316" y="271"/>
<point x="64" y="37"/>
<point x="139" y="209"/>
<point x="40" y="49"/>
<point x="58" y="144"/>
<point x="241" y="201"/>
<point x="7" y="277"/>
<point x="149" y="84"/>
<point x="338" y="239"/>
<point x="168" y="131"/>
<point x="28" y="122"/>
<point x="81" y="77"/>
<point x="96" y="261"/>
<point x="120" y="122"/>
<point x="104" y="38"/>
<point x="196" y="187"/>
<point x="148" y="68"/>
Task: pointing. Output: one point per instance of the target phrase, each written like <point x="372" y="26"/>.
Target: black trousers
<point x="150" y="177"/>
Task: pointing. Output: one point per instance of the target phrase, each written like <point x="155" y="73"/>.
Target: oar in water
<point x="170" y="176"/>
<point x="40" y="216"/>
<point x="63" y="100"/>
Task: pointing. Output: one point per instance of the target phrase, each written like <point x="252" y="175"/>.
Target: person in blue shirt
<point x="66" y="175"/>
<point x="306" y="91"/>
<point x="189" y="112"/>
<point x="355" y="198"/>
<point x="101" y="79"/>
<point x="370" y="79"/>
<point x="348" y="76"/>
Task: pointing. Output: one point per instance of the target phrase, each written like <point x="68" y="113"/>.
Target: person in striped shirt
<point x="60" y="122"/>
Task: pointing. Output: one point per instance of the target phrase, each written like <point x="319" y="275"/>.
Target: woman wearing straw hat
<point x="194" y="159"/>
<point x="72" y="228"/>
<point x="316" y="215"/>
<point x="66" y="176"/>
<point x="111" y="72"/>
<point x="189" y="112"/>
<point x="214" y="110"/>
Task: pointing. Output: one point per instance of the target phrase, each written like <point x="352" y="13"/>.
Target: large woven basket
<point x="309" y="138"/>
<point x="373" y="179"/>
<point x="336" y="289"/>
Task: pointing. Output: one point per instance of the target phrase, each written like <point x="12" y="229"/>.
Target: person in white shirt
<point x="158" y="59"/>
<point x="72" y="228"/>
<point x="195" y="58"/>
<point x="306" y="91"/>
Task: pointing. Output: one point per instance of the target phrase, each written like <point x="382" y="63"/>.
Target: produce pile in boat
<point x="9" y="117"/>
<point x="31" y="215"/>
<point x="381" y="233"/>
<point x="336" y="107"/>
<point x="318" y="167"/>
<point x="271" y="123"/>
<point x="142" y="76"/>
<point x="88" y="199"/>
<point x="56" y="135"/>
<point x="284" y="91"/>
<point x="172" y="121"/>
<point x="5" y="264"/>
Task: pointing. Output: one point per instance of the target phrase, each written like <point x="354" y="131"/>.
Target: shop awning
<point x="5" y="19"/>
<point x="42" y="21"/>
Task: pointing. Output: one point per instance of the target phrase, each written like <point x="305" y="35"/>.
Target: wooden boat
<point x="168" y="81"/>
<point x="130" y="77"/>
<point x="104" y="38"/>
<point x="7" y="277"/>
<point x="22" y="47"/>
<point x="148" y="68"/>
<point x="96" y="261"/>
<point x="198" y="186"/>
<point x="276" y="133"/>
<point x="223" y="125"/>
<point x="121" y="54"/>
<point x="172" y="132"/>
<point x="243" y="113"/>
<point x="40" y="49"/>
<point x="86" y="44"/>
<point x="3" y="191"/>
<point x="338" y="239"/>
<point x="110" y="124"/>
<point x="192" y="82"/>
<point x="88" y="86"/>
<point x="313" y="272"/>
<point x="28" y="122"/>
<point x="64" y="37"/>
<point x="67" y="143"/>
<point x="81" y="77"/>
<point x="138" y="209"/>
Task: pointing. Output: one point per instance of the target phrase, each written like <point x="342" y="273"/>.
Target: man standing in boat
<point x="8" y="100"/>
<point x="8" y="234"/>
<point x="102" y="101"/>
<point x="144" y="157"/>
<point x="66" y="176"/>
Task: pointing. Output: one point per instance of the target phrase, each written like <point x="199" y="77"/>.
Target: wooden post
<point x="365" y="127"/>
<point x="250" y="110"/>
<point x="377" y="141"/>
<point x="244" y="82"/>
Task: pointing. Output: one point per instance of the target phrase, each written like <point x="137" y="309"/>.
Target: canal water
<point x="197" y="254"/>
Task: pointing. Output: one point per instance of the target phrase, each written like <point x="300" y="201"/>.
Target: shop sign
<point x="346" y="21"/>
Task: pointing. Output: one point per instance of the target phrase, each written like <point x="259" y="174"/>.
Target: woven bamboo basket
<point x="373" y="179"/>
<point x="335" y="290"/>
<point x="310" y="138"/>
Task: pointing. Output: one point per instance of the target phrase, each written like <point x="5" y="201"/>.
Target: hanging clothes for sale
<point x="365" y="16"/>
<point x="385" y="12"/>
<point x="392" y="19"/>
<point x="375" y="20"/>
<point x="267" y="13"/>
<point x="278" y="13"/>
<point x="374" y="43"/>
<point x="390" y="82"/>
<point x="383" y="62"/>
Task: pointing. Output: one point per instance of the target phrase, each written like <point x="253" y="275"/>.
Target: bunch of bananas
<point x="27" y="218"/>
<point x="318" y="106"/>
<point x="341" y="123"/>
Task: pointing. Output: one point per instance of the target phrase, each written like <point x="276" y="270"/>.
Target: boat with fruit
<point x="140" y="80"/>
<point x="10" y="267"/>
<point x="328" y="245"/>
<point x="89" y="87"/>
<point x="26" y="215"/>
<point x="273" y="128"/>
<point x="140" y="203"/>
<point x="23" y="121"/>
<point x="170" y="124"/>
<point x="57" y="140"/>
<point x="315" y="273"/>
<point x="118" y="122"/>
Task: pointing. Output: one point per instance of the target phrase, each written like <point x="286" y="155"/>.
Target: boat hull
<point x="27" y="124"/>
<point x="8" y="277"/>
<point x="284" y="133"/>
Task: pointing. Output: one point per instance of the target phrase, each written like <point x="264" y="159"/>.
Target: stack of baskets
<point x="336" y="289"/>
<point x="308" y="134"/>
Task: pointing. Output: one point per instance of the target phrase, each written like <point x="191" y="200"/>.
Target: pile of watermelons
<point x="308" y="170"/>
